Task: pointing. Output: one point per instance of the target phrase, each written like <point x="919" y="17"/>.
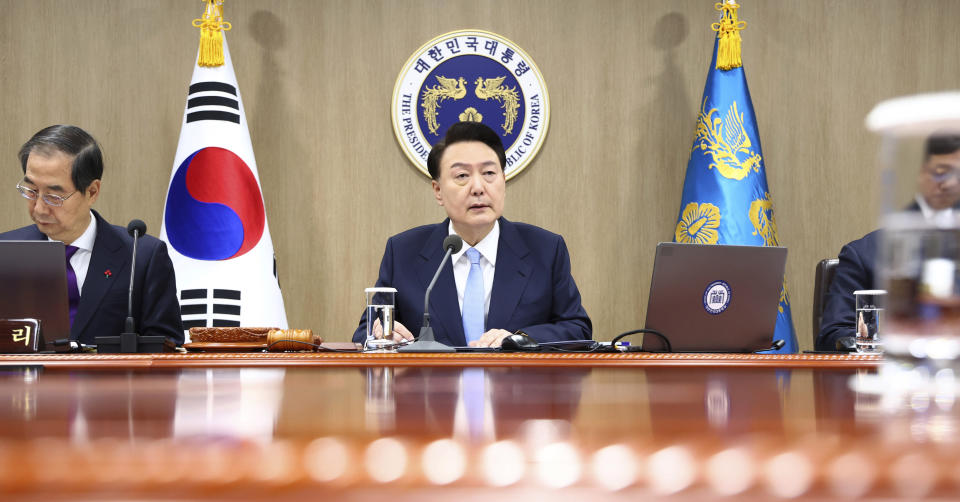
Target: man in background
<point x="938" y="197"/>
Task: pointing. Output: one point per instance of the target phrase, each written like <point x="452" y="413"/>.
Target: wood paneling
<point x="625" y="79"/>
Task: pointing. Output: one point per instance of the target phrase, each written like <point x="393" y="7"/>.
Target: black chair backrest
<point x="821" y="285"/>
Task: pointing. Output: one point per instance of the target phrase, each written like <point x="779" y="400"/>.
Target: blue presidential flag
<point x="725" y="195"/>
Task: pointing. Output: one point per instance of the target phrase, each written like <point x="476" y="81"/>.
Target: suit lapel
<point x="108" y="254"/>
<point x="444" y="306"/>
<point x="510" y="277"/>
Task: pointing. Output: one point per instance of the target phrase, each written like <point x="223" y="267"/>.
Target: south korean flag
<point x="214" y="220"/>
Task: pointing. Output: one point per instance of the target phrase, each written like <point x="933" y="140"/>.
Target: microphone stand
<point x="128" y="339"/>
<point x="130" y="342"/>
<point x="426" y="342"/>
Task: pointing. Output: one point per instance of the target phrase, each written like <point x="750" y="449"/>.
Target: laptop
<point x="714" y="298"/>
<point x="34" y="279"/>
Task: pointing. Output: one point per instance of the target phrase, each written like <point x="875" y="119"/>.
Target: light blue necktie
<point x="473" y="299"/>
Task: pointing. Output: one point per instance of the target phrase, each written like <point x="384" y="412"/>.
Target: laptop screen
<point x="34" y="278"/>
<point x="714" y="298"/>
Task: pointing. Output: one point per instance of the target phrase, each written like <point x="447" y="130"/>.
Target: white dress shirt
<point x="80" y="261"/>
<point x="487" y="247"/>
<point x="941" y="218"/>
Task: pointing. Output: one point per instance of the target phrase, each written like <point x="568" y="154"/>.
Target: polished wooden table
<point x="358" y="359"/>
<point x="468" y="426"/>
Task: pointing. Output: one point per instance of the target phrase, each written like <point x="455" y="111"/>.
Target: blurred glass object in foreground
<point x="920" y="245"/>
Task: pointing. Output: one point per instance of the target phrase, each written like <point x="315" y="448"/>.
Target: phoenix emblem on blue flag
<point x="725" y="195"/>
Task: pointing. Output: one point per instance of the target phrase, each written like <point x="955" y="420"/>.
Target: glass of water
<point x="380" y="306"/>
<point x="870" y="305"/>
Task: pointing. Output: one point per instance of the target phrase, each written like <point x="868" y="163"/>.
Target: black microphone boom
<point x="135" y="228"/>
<point x="426" y="342"/>
<point x="452" y="244"/>
<point x="130" y="341"/>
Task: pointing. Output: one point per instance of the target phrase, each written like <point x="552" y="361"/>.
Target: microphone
<point x="452" y="244"/>
<point x="136" y="228"/>
<point x="130" y="342"/>
<point x="426" y="342"/>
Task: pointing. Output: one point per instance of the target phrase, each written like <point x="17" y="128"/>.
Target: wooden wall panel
<point x="624" y="77"/>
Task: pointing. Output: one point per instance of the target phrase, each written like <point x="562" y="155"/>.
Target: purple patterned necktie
<point x="73" y="292"/>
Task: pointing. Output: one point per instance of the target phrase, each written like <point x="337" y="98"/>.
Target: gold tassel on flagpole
<point x="728" y="31"/>
<point x="211" y="27"/>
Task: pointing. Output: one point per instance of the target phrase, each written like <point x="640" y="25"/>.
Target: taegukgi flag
<point x="214" y="221"/>
<point x="725" y="195"/>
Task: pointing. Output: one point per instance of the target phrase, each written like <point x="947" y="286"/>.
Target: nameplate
<point x="19" y="336"/>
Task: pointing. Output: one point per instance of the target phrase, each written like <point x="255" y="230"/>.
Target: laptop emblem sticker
<point x="716" y="298"/>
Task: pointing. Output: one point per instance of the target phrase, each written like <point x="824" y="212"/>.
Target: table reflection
<point x="668" y="428"/>
<point x="241" y="403"/>
<point x="482" y="405"/>
<point x="475" y="404"/>
<point x="87" y="405"/>
<point x="718" y="402"/>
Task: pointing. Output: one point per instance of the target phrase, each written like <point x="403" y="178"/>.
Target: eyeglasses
<point x="48" y="198"/>
<point x="942" y="173"/>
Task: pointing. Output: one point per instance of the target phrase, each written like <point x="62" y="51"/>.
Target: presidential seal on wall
<point x="471" y="75"/>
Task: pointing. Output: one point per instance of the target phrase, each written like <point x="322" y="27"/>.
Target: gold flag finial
<point x="211" y="27"/>
<point x="728" y="31"/>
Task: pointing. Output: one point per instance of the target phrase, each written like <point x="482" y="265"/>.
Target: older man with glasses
<point x="62" y="166"/>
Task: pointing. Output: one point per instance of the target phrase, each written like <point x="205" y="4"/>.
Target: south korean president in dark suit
<point x="62" y="166"/>
<point x="508" y="277"/>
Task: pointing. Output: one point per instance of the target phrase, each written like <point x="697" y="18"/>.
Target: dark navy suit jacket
<point x="532" y="287"/>
<point x="854" y="271"/>
<point x="103" y="301"/>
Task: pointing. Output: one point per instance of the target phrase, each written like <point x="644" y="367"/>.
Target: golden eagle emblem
<point x="698" y="224"/>
<point x="508" y="97"/>
<point x="725" y="140"/>
<point x="432" y="97"/>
